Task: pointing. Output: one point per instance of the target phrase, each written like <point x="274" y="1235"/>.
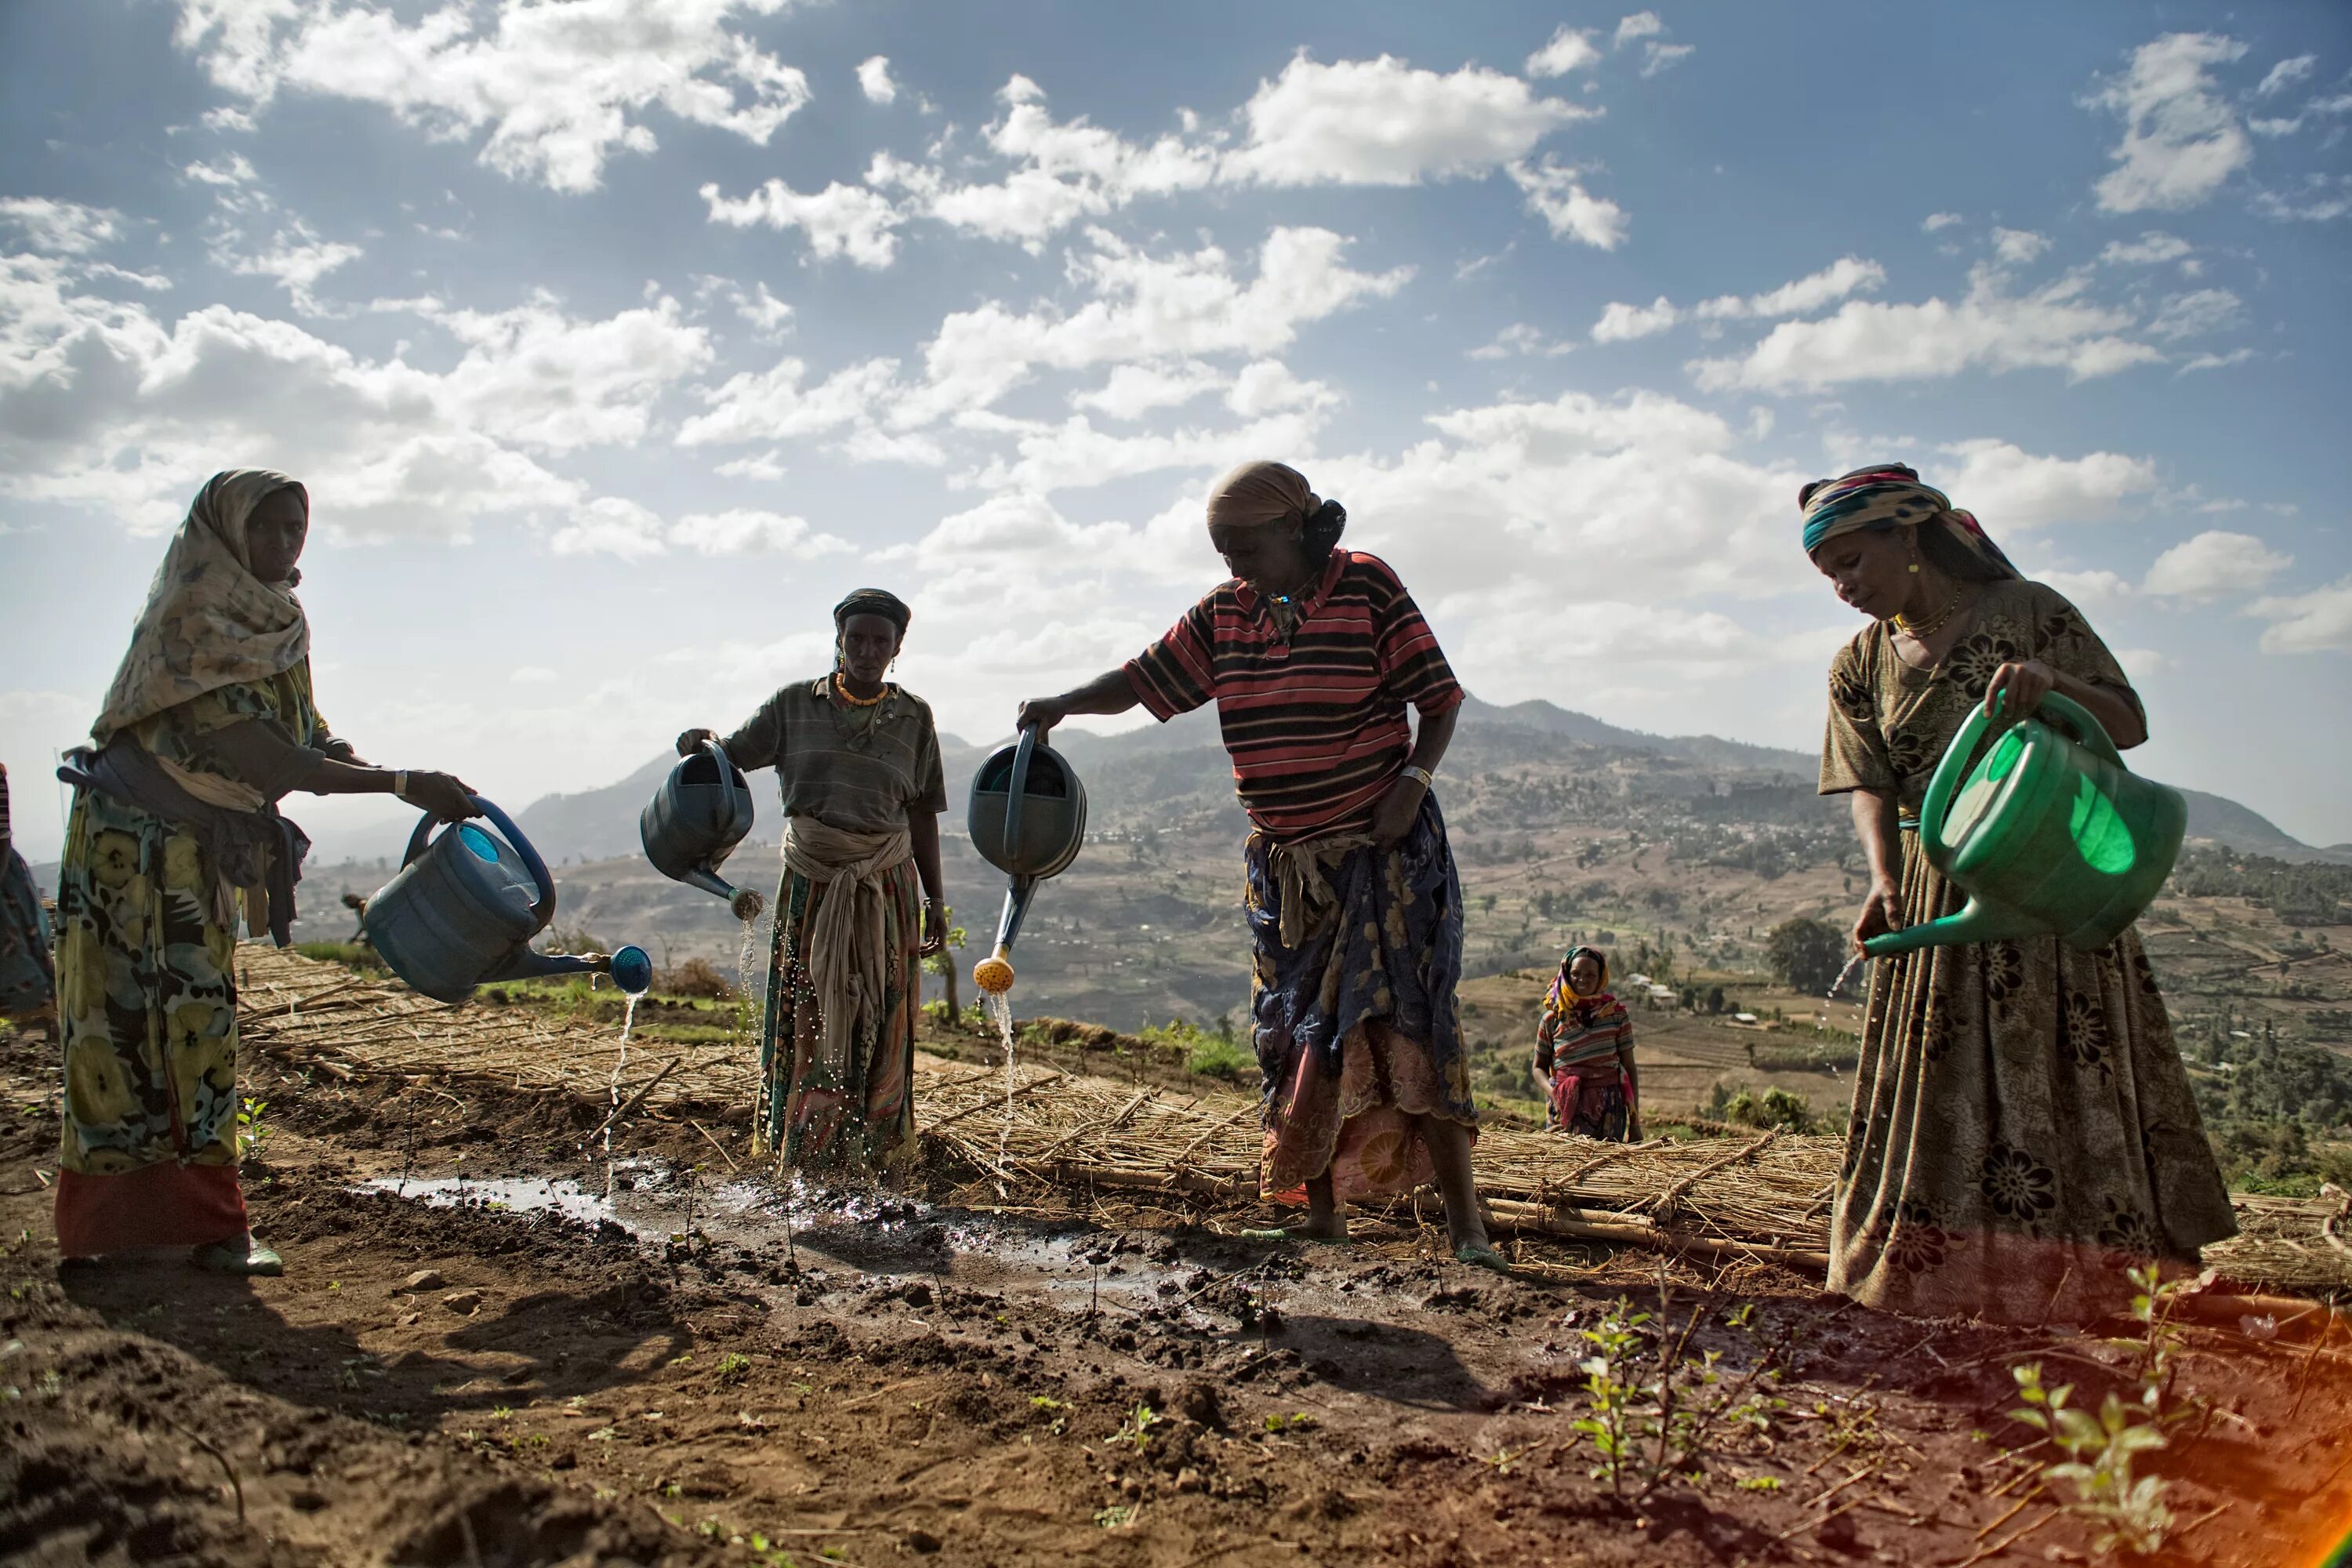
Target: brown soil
<point x="870" y="1377"/>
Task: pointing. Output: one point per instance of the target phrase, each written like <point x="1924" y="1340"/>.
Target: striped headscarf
<point x="1889" y="495"/>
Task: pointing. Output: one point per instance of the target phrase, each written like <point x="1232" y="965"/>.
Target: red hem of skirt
<point x="163" y="1205"/>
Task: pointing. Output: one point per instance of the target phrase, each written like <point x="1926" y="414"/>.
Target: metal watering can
<point x="2050" y="834"/>
<point x="694" y="822"/>
<point x="1028" y="819"/>
<point x="463" y="907"/>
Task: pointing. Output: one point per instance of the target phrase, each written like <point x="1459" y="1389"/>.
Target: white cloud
<point x="745" y="532"/>
<point x="2285" y="74"/>
<point x="2316" y="622"/>
<point x="1519" y="339"/>
<point x="2214" y="361"/>
<point x="2181" y="139"/>
<point x="1847" y="275"/>
<point x="1935" y="223"/>
<point x="2019" y="247"/>
<point x="1867" y="341"/>
<point x="1269" y="386"/>
<point x="2214" y="565"/>
<point x="873" y="80"/>
<point x="2152" y="248"/>
<point x="2089" y="590"/>
<point x="770" y="317"/>
<point x="1640" y="25"/>
<point x="2012" y="490"/>
<point x="840" y="220"/>
<point x="2197" y="313"/>
<point x="768" y="465"/>
<point x="534" y="675"/>
<point x="1134" y="390"/>
<point x="1656" y="57"/>
<point x="1559" y="197"/>
<point x="558" y="88"/>
<point x="60" y="228"/>
<point x="229" y="173"/>
<point x="296" y="258"/>
<point x="103" y="405"/>
<point x="2319" y="198"/>
<point x="1570" y="50"/>
<point x="772" y="405"/>
<point x="1620" y="322"/>
<point x="610" y="525"/>
<point x="1383" y="122"/>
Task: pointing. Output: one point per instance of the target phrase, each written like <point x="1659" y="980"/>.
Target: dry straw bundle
<point x="1764" y="1197"/>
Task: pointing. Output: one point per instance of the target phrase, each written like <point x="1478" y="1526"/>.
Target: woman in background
<point x="174" y="831"/>
<point x="28" y="983"/>
<point x="857" y="763"/>
<point x="1584" y="1053"/>
<point x="2022" y="1130"/>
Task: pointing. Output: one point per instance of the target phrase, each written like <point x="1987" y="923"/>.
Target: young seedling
<point x="1136" y="1430"/>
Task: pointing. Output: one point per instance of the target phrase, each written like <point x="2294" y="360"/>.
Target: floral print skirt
<point x="1592" y="1100"/>
<point x="1358" y="1031"/>
<point x="2023" y="1131"/>
<point x="863" y="1117"/>
<point x="147" y="1002"/>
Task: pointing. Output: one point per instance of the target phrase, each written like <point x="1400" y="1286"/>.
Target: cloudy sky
<point x="616" y="339"/>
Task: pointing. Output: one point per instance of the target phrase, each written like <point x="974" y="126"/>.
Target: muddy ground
<point x="474" y="1358"/>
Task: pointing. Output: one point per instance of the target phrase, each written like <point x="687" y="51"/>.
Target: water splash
<point x="613" y="1089"/>
<point x="996" y="1007"/>
<point x="1853" y="964"/>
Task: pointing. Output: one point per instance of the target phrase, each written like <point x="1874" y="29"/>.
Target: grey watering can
<point x="1028" y="819"/>
<point x="694" y="822"/>
<point x="463" y="907"/>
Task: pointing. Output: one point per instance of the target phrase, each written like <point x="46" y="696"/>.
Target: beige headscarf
<point x="1261" y="492"/>
<point x="209" y="621"/>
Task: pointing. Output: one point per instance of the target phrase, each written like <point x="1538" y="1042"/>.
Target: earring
<point x="1915" y="568"/>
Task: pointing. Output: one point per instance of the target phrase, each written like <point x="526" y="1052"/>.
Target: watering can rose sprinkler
<point x="2049" y="834"/>
<point x="1028" y="819"/>
<point x="464" y="906"/>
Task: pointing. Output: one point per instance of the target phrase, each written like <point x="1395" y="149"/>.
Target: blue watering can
<point x="463" y="907"/>
<point x="1028" y="819"/>
<point x="694" y="822"/>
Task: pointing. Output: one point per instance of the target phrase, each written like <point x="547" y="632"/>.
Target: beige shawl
<point x="847" y="961"/>
<point x="1261" y="492"/>
<point x="209" y="622"/>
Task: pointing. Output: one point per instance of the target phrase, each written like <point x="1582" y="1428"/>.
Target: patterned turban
<point x="1889" y="495"/>
<point x="874" y="602"/>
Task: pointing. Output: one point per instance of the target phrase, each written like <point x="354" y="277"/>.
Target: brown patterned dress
<point x="2023" y="1129"/>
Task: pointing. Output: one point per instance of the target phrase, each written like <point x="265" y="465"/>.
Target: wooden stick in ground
<point x="620" y="1110"/>
<point x="715" y="1144"/>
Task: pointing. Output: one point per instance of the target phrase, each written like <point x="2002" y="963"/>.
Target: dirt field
<point x="475" y="1358"/>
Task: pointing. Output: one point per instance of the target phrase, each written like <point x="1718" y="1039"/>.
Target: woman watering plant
<point x="857" y="761"/>
<point x="1312" y="655"/>
<point x="174" y="830"/>
<point x="2022" y="1130"/>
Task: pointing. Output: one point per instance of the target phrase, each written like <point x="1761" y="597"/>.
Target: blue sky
<point x="616" y="339"/>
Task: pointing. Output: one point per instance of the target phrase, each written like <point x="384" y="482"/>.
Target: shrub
<point x="697" y="977"/>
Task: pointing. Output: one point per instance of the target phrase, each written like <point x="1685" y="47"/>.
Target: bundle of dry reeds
<point x="1767" y="1195"/>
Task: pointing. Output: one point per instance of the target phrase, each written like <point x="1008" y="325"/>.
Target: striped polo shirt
<point x="1314" y="721"/>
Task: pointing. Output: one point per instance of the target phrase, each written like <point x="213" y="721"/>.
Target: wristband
<point x="400" y="785"/>
<point x="1428" y="780"/>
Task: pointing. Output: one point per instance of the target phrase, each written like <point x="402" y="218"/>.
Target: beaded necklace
<point x="842" y="691"/>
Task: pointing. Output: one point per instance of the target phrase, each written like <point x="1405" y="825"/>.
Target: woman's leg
<point x="1326" y="1213"/>
<point x="1449" y="1150"/>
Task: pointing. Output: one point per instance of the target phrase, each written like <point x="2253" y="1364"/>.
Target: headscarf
<point x="1563" y="994"/>
<point x="209" y="622"/>
<point x="1265" y="492"/>
<point x="1889" y="495"/>
<point x="874" y="602"/>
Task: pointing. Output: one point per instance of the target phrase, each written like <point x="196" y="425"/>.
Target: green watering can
<point x="2049" y="833"/>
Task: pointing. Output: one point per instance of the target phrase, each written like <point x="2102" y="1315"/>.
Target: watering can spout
<point x="1979" y="921"/>
<point x="631" y="967"/>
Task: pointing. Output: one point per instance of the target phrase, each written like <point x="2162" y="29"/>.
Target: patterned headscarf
<point x="1258" y="493"/>
<point x="1889" y="495"/>
<point x="1563" y="994"/>
<point x="874" y="602"/>
<point x="209" y="622"/>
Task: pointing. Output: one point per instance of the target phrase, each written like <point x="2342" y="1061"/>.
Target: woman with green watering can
<point x="2022" y="1130"/>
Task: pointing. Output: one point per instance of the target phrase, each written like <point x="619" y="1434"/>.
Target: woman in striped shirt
<point x="1584" y="1053"/>
<point x="1312" y="655"/>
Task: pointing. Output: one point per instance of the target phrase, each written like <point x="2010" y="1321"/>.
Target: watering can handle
<point x="726" y="764"/>
<point x="1015" y="787"/>
<point x="542" y="907"/>
<point x="1963" y="751"/>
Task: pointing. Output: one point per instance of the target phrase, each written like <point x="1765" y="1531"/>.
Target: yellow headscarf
<point x="209" y="622"/>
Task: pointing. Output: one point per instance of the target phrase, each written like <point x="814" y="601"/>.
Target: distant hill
<point x="1161" y="774"/>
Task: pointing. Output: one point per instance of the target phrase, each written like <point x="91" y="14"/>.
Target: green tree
<point x="1806" y="953"/>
